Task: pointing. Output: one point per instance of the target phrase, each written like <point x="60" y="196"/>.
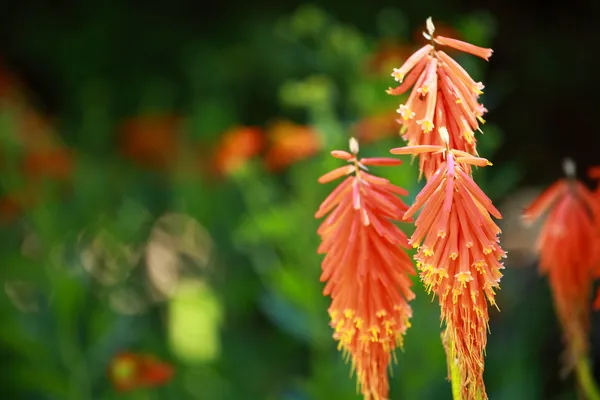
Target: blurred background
<point x="158" y="186"/>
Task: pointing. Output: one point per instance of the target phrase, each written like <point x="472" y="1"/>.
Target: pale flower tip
<point x="430" y="26"/>
<point x="443" y="131"/>
<point x="354" y="146"/>
<point x="569" y="167"/>
<point x="397" y="75"/>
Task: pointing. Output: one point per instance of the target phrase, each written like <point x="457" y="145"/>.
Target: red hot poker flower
<point x="366" y="268"/>
<point x="459" y="256"/>
<point x="443" y="96"/>
<point x="568" y="255"/>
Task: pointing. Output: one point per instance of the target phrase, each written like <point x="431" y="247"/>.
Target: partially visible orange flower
<point x="290" y="143"/>
<point x="152" y="141"/>
<point x="459" y="256"/>
<point x="444" y="96"/>
<point x="376" y="127"/>
<point x="386" y="55"/>
<point x="594" y="173"/>
<point x="129" y="371"/>
<point x="236" y="147"/>
<point x="11" y="207"/>
<point x="51" y="163"/>
<point x="366" y="268"/>
<point x="568" y="249"/>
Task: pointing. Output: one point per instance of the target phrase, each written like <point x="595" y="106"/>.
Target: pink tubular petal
<point x="342" y="155"/>
<point x="480" y="162"/>
<point x="544" y="201"/>
<point x="465" y="47"/>
<point x="410" y="80"/>
<point x="380" y="161"/>
<point x="416" y="149"/>
<point x="337" y="173"/>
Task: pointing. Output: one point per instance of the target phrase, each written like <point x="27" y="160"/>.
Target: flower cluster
<point x="366" y="268"/>
<point x="443" y="95"/>
<point x="459" y="256"/>
<point x="568" y="248"/>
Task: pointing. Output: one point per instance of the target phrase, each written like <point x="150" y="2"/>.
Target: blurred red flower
<point x="235" y="147"/>
<point x="290" y="143"/>
<point x="152" y="141"/>
<point x="130" y="371"/>
<point x="52" y="163"/>
<point x="376" y="127"/>
<point x="568" y="248"/>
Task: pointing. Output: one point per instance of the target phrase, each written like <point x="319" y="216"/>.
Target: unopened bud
<point x="569" y="167"/>
<point x="444" y="135"/>
<point x="353" y="146"/>
<point x="430" y="26"/>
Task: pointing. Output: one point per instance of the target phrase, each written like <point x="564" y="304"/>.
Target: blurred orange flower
<point x="52" y="163"/>
<point x="387" y="54"/>
<point x="366" y="268"/>
<point x="290" y="143"/>
<point x="235" y="147"/>
<point x="376" y="127"/>
<point x="12" y="205"/>
<point x="129" y="371"/>
<point x="152" y="141"/>
<point x="568" y="248"/>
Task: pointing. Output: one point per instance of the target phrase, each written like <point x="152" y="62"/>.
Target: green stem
<point x="454" y="377"/>
<point x="586" y="380"/>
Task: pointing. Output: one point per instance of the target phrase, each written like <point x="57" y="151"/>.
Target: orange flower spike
<point x="567" y="246"/>
<point x="366" y="271"/>
<point x="459" y="257"/>
<point x="443" y="96"/>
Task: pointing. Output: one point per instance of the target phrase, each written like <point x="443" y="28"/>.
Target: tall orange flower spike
<point x="366" y="268"/>
<point x="443" y="96"/>
<point x="459" y="256"/>
<point x="567" y="247"/>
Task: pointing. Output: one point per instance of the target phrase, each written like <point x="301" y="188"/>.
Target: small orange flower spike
<point x="459" y="256"/>
<point x="366" y="268"/>
<point x="568" y="249"/>
<point x="443" y="96"/>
